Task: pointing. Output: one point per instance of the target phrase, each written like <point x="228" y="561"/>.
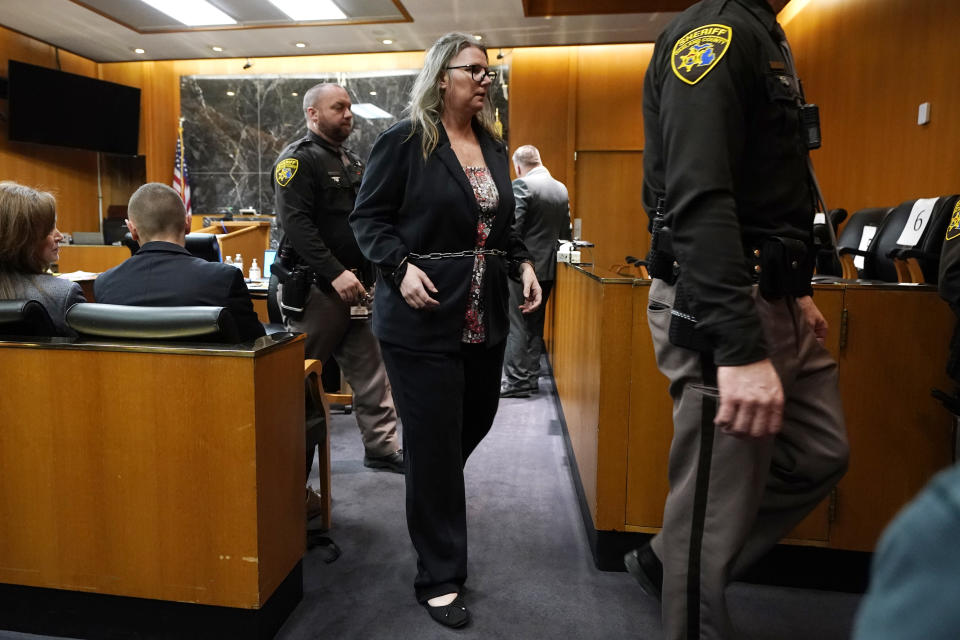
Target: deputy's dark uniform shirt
<point x="724" y="147"/>
<point x="315" y="190"/>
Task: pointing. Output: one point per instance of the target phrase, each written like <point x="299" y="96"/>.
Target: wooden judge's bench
<point x="890" y="342"/>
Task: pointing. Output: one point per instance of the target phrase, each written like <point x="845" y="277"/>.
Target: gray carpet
<point x="531" y="573"/>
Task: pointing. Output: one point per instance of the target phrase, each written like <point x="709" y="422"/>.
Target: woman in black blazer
<point x="435" y="214"/>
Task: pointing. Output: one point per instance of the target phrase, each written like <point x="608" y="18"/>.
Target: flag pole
<point x="183" y="153"/>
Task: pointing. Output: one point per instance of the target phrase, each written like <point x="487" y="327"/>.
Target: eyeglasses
<point x="477" y="72"/>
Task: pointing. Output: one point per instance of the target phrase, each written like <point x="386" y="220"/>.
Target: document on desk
<point x="78" y="276"/>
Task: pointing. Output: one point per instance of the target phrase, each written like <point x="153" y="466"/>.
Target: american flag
<point x="181" y="179"/>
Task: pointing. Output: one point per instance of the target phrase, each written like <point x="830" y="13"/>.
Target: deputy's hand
<point x="532" y="293"/>
<point x="751" y="400"/>
<point x="812" y="316"/>
<point x="415" y="287"/>
<point x="348" y="287"/>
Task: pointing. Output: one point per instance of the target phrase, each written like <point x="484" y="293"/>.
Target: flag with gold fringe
<point x="181" y="179"/>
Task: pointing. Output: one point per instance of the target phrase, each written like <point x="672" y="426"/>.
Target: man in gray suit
<point x="542" y="217"/>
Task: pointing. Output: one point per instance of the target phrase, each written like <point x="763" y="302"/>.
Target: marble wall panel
<point x="236" y="126"/>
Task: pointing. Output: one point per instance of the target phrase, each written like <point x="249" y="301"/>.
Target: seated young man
<point x="164" y="274"/>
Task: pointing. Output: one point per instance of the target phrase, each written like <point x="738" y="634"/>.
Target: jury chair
<point x="26" y="318"/>
<point x="855" y="238"/>
<point x="919" y="262"/>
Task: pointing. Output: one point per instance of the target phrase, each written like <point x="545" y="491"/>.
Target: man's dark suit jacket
<point x="163" y="274"/>
<point x="409" y="205"/>
<point x="543" y="217"/>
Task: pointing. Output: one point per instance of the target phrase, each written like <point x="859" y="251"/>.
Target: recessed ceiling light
<point x="300" y="45"/>
<point x="194" y="13"/>
<point x="369" y="111"/>
<point x="139" y="50"/>
<point x="216" y="48"/>
<point x="387" y="41"/>
<point x="477" y="37"/>
<point x="294" y="94"/>
<point x="373" y="93"/>
<point x="306" y="10"/>
<point x="231" y="93"/>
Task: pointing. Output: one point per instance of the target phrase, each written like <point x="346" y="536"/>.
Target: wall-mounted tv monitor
<point x="54" y="107"/>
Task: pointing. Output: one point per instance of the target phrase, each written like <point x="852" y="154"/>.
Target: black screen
<point x="65" y="109"/>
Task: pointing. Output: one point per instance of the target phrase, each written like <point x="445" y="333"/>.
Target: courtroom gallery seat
<point x="25" y="318"/>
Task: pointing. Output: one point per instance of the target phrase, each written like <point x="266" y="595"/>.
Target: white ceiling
<point x="78" y="29"/>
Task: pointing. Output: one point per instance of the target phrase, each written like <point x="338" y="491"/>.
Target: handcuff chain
<point x="439" y="255"/>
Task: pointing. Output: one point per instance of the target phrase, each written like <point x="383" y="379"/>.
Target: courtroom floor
<point x="531" y="573"/>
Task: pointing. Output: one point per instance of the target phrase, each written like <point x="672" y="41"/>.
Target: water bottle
<point x="238" y="262"/>
<point x="254" y="271"/>
<point x="228" y="260"/>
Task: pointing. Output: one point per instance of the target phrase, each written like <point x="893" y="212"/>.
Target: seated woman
<point x="29" y="244"/>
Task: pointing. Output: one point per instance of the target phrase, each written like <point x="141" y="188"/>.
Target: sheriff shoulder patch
<point x="699" y="51"/>
<point x="286" y="169"/>
<point x="953" y="229"/>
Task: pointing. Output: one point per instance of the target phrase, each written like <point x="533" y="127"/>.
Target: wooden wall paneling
<point x="70" y="174"/>
<point x="608" y="203"/>
<point x="92" y="258"/>
<point x="869" y="78"/>
<point x="539" y="93"/>
<point x="610" y="95"/>
<point x="899" y="435"/>
<point x="651" y="426"/>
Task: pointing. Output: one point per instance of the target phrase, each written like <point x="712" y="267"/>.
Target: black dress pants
<point x="446" y="402"/>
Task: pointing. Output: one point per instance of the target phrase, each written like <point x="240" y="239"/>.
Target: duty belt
<point x="440" y="255"/>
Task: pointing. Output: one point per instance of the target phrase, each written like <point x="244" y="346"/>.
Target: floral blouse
<point x="485" y="190"/>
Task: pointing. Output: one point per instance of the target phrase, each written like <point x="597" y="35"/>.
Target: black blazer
<point x="409" y="205"/>
<point x="163" y="274"/>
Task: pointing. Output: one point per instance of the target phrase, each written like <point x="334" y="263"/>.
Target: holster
<point x="782" y="267"/>
<point x="296" y="286"/>
<point x="683" y="331"/>
<point x="661" y="261"/>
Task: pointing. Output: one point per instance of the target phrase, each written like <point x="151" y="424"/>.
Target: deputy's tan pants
<point x="732" y="499"/>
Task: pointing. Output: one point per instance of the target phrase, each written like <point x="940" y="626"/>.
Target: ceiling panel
<point x="579" y="7"/>
<point x="501" y="23"/>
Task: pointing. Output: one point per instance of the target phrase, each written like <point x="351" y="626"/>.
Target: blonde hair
<point x="27" y="216"/>
<point x="426" y="98"/>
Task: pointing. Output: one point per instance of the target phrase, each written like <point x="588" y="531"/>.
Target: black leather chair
<point x="193" y="324"/>
<point x="128" y="241"/>
<point x="921" y="261"/>
<point x="827" y="263"/>
<point x="204" y="245"/>
<point x="25" y="318"/>
<point x="200" y="245"/>
<point x="862" y="224"/>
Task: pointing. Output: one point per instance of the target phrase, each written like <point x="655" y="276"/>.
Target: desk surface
<point x="253" y="349"/>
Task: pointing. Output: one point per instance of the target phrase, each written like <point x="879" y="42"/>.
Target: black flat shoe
<point x="454" y="615"/>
